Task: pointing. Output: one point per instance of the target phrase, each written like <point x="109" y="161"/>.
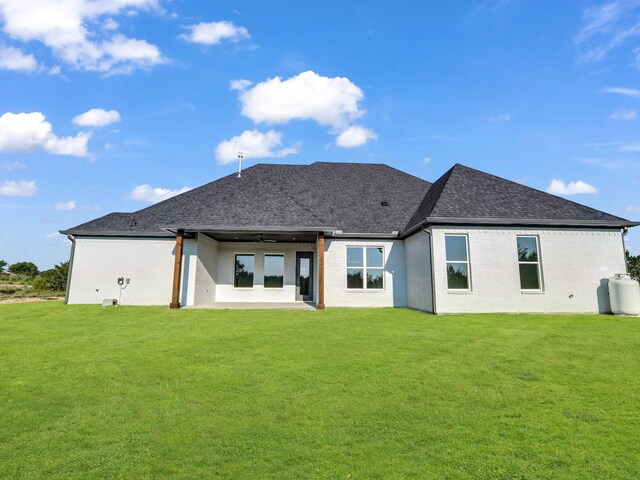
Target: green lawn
<point x="130" y="392"/>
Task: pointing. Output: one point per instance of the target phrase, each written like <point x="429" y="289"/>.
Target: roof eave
<point x="115" y="233"/>
<point x="252" y="228"/>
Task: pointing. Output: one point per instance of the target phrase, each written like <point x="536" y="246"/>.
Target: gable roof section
<point x="466" y="195"/>
<point x="320" y="196"/>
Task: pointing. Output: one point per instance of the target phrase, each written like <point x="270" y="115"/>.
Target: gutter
<point x="523" y="222"/>
<point x="433" y="274"/>
<point x="625" y="231"/>
<point x="116" y="233"/>
<point x="251" y="228"/>
<point x="71" y="257"/>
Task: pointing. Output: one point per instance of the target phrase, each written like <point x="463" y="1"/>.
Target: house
<point x="353" y="234"/>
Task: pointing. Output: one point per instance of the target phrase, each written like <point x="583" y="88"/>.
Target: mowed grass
<point x="130" y="392"/>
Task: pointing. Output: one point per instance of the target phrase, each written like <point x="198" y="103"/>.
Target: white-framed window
<point x="244" y="268"/>
<point x="457" y="258"/>
<point x="529" y="262"/>
<point x="273" y="270"/>
<point x="365" y="268"/>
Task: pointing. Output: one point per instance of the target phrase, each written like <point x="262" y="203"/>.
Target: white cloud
<point x="97" y="117"/>
<point x="67" y="206"/>
<point x="502" y="117"/>
<point x="623" y="114"/>
<point x="71" y="30"/>
<point x="426" y="161"/>
<point x="629" y="92"/>
<point x="632" y="208"/>
<point x="147" y="193"/>
<point x="355" y="136"/>
<point x="212" y="33"/>
<point x="14" y="59"/>
<point x="558" y="187"/>
<point x="307" y="96"/>
<point x="253" y="144"/>
<point x="240" y="84"/>
<point x="15" y="165"/>
<point x="631" y="147"/>
<point x="606" y="27"/>
<point x="23" y="188"/>
<point x="28" y="132"/>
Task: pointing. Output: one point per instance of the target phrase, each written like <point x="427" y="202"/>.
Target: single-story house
<point x="353" y="234"/>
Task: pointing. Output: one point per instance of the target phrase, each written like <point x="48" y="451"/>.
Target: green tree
<point x="56" y="277"/>
<point x="28" y="269"/>
<point x="3" y="265"/>
<point x="633" y="265"/>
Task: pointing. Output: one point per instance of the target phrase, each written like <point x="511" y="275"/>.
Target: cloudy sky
<point x="111" y="105"/>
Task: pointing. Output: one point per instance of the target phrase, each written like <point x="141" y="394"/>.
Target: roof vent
<point x="240" y="157"/>
<point x="133" y="222"/>
<point x="384" y="203"/>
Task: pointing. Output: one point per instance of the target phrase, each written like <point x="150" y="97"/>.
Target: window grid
<point x="458" y="262"/>
<point x="365" y="269"/>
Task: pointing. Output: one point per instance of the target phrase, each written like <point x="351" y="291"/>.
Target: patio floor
<point x="257" y="306"/>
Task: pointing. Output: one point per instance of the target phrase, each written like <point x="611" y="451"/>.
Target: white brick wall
<point x="335" y="284"/>
<point x="99" y="261"/>
<point x="417" y="250"/>
<point x="574" y="263"/>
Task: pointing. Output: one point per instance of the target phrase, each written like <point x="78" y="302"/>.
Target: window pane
<point x="354" y="257"/>
<point x="273" y="271"/>
<point x="529" y="279"/>
<point x="375" y="277"/>
<point x="457" y="276"/>
<point x="456" y="247"/>
<point x="527" y="249"/>
<point x="244" y="271"/>
<point x="375" y="258"/>
<point x="354" y="278"/>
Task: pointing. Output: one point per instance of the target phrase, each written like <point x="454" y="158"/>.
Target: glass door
<point x="304" y="276"/>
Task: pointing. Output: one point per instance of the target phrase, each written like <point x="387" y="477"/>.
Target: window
<point x="273" y="271"/>
<point x="529" y="263"/>
<point x="457" y="255"/>
<point x="244" y="271"/>
<point x="365" y="268"/>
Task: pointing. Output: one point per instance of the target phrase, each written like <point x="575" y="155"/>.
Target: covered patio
<point x="222" y="268"/>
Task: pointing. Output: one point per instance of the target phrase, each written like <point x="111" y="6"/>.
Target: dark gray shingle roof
<point x="348" y="197"/>
<point x="342" y="196"/>
<point x="465" y="193"/>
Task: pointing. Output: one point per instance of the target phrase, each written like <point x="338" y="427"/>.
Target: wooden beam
<point x="321" y="271"/>
<point x="177" y="270"/>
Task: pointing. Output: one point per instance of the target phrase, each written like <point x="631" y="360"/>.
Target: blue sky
<point x="112" y="105"/>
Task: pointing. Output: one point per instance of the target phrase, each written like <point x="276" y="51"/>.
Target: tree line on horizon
<point x="54" y="279"/>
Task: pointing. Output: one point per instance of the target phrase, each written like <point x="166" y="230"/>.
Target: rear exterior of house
<point x="360" y="235"/>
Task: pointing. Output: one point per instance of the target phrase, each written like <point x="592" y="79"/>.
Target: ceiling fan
<point x="263" y="240"/>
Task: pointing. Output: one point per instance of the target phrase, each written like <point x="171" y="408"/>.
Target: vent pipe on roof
<point x="240" y="157"/>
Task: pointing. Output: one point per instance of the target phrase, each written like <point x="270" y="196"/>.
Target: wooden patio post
<point x="321" y="271"/>
<point x="177" y="270"/>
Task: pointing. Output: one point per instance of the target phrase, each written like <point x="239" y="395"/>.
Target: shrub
<point x="40" y="284"/>
<point x="56" y="277"/>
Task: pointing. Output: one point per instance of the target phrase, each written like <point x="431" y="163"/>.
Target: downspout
<point x="71" y="256"/>
<point x="433" y="279"/>
<point x="625" y="230"/>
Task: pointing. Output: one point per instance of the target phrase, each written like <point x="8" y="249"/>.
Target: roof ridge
<point x="437" y="190"/>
